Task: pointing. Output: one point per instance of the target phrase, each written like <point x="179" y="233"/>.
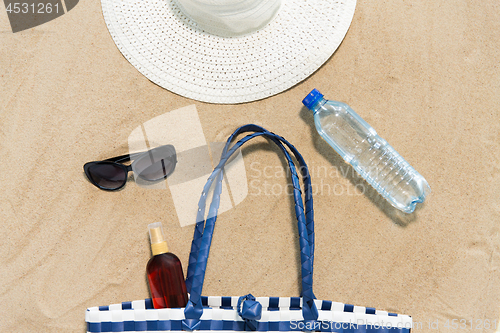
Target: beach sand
<point x="424" y="74"/>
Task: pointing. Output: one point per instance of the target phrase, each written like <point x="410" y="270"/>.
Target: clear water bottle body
<point x="370" y="155"/>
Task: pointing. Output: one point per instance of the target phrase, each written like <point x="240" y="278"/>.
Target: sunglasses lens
<point x="108" y="175"/>
<point x="155" y="164"/>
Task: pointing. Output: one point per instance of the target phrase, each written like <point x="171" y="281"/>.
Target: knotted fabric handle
<point x="204" y="231"/>
<point x="309" y="212"/>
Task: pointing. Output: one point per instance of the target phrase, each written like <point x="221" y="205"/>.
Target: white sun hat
<point x="227" y="51"/>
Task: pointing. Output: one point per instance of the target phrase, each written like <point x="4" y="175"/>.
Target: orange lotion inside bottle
<point x="164" y="271"/>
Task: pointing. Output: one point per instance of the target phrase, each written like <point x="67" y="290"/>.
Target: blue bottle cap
<point x="311" y="99"/>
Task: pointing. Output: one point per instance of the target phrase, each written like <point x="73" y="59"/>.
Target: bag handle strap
<point x="279" y="140"/>
<point x="194" y="310"/>
<point x="309" y="211"/>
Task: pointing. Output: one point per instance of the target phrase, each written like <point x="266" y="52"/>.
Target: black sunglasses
<point x="152" y="165"/>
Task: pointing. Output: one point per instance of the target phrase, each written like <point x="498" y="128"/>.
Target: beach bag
<point x="246" y="312"/>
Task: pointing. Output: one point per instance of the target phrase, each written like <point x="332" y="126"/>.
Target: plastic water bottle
<point x="370" y="155"/>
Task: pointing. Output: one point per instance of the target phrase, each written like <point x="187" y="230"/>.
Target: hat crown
<point x="230" y="18"/>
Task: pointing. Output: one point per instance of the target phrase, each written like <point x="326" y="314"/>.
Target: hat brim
<point x="171" y="51"/>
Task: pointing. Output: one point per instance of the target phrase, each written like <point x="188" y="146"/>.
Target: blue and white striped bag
<point x="248" y="313"/>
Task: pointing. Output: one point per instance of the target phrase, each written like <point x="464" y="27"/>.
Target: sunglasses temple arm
<point x="128" y="157"/>
<point x="123" y="158"/>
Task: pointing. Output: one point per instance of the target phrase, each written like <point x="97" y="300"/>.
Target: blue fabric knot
<point x="192" y="313"/>
<point x="251" y="311"/>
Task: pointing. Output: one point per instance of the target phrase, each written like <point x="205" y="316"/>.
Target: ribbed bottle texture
<point x="393" y="177"/>
<point x="370" y="155"/>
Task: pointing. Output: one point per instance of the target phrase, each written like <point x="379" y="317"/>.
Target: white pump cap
<point x="158" y="243"/>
